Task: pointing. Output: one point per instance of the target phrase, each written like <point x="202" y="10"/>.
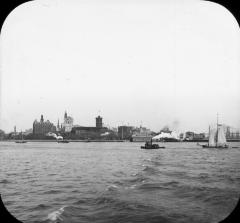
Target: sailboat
<point x="217" y="138"/>
<point x="21" y="141"/>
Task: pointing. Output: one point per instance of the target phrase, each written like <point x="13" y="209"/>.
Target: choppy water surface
<point x="118" y="182"/>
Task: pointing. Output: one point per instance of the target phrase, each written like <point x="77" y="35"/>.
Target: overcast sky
<point x="158" y="63"/>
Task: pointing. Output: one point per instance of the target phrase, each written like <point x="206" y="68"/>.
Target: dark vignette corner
<point x="7" y="6"/>
<point x="5" y="9"/>
<point x="233" y="7"/>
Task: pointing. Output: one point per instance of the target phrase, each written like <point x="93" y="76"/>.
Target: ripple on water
<point x="5" y="181"/>
<point x="150" y="170"/>
<point x="40" y="207"/>
<point x="180" y="185"/>
<point x="151" y="186"/>
<point x="52" y="192"/>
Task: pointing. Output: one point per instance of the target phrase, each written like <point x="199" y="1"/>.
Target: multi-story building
<point x="125" y="132"/>
<point x="199" y="136"/>
<point x="43" y="127"/>
<point x="67" y="124"/>
<point x="141" y="134"/>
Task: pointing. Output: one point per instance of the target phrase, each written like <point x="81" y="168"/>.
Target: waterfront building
<point x="89" y="132"/>
<point x="189" y="135"/>
<point x="228" y="132"/>
<point x="125" y="132"/>
<point x="232" y="133"/>
<point x="2" y="134"/>
<point x="86" y="129"/>
<point x="181" y="136"/>
<point x="199" y="136"/>
<point x="141" y="135"/>
<point x="43" y="127"/>
<point x="67" y="124"/>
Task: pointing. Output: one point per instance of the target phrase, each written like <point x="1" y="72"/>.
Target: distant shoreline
<point x="69" y="140"/>
<point x="78" y="140"/>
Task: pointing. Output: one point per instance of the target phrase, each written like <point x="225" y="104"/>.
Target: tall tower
<point x="99" y="122"/>
<point x="42" y="120"/>
<point x="58" y="126"/>
<point x="65" y="115"/>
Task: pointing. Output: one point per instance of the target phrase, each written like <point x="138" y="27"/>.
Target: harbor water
<point x="118" y="182"/>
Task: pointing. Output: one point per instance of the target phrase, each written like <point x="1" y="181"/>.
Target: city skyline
<point x="62" y="121"/>
<point x="159" y="64"/>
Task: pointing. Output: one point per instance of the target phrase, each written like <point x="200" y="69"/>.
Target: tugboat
<point x="60" y="139"/>
<point x="150" y="145"/>
<point x="63" y="141"/>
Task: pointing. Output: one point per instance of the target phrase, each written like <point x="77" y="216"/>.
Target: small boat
<point x="62" y="141"/>
<point x="216" y="138"/>
<point x="150" y="145"/>
<point x="21" y="140"/>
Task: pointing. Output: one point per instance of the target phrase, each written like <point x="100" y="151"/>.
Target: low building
<point x="189" y="135"/>
<point x="84" y="129"/>
<point x="141" y="135"/>
<point x="199" y="136"/>
<point x="85" y="132"/>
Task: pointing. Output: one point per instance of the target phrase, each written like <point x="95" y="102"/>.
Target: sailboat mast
<point x="217" y="131"/>
<point x="208" y="134"/>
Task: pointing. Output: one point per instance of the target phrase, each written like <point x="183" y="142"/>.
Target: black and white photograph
<point x="119" y="111"/>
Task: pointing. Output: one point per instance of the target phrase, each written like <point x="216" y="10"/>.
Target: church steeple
<point x="65" y="115"/>
<point x="42" y="118"/>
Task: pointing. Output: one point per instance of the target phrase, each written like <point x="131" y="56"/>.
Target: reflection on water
<point x="118" y="182"/>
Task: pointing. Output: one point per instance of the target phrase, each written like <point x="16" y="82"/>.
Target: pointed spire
<point x="65" y="115"/>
